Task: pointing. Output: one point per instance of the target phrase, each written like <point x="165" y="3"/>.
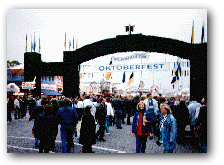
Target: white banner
<point x="131" y="57"/>
<point x="161" y="66"/>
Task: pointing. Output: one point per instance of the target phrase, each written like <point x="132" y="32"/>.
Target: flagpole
<point x="192" y="36"/>
<point x="69" y="44"/>
<point x="202" y="35"/>
<point x="73" y="42"/>
<point x="65" y="42"/>
<point x="26" y="43"/>
<point x="31" y="44"/>
<point x="34" y="44"/>
<point x="39" y="43"/>
<point x="178" y="82"/>
<point x="77" y="41"/>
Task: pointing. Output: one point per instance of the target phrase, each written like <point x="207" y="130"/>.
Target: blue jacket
<point x="154" y="105"/>
<point x="170" y="132"/>
<point x="146" y="128"/>
<point x="67" y="117"/>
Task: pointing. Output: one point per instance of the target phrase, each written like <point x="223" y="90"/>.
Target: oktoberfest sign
<point x="161" y="66"/>
<point x="134" y="67"/>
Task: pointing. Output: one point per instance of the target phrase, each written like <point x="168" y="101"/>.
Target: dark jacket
<point x="117" y="104"/>
<point x="181" y="114"/>
<point x="129" y="107"/>
<point x="202" y="122"/>
<point x="10" y="105"/>
<point x="36" y="112"/>
<point x="55" y="109"/>
<point x="87" y="132"/>
<point x="45" y="127"/>
<point x="101" y="113"/>
<point x="32" y="104"/>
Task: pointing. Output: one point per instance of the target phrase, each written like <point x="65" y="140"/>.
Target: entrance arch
<point x="196" y="53"/>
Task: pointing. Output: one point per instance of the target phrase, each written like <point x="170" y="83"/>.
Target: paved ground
<point x="21" y="140"/>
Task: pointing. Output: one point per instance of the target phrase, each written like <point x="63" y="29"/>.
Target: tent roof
<point x="50" y="92"/>
<point x="16" y="70"/>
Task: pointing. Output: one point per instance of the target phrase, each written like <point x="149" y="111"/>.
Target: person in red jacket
<point x="141" y="127"/>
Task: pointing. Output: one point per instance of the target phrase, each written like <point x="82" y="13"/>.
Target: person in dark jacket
<point x="26" y="102"/>
<point x="100" y="117"/>
<point x="171" y="102"/>
<point x="123" y="109"/>
<point x="10" y="107"/>
<point x="135" y="101"/>
<point x="140" y="127"/>
<point x="117" y="104"/>
<point x="181" y="114"/>
<point x="45" y="129"/>
<point x="55" y="106"/>
<point x="54" y="113"/>
<point x="32" y="104"/>
<point x="129" y="109"/>
<point x="201" y="126"/>
<point x="22" y="107"/>
<point x="34" y="113"/>
<point x="87" y="132"/>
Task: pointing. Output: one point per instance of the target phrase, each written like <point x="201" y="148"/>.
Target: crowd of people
<point x="155" y="117"/>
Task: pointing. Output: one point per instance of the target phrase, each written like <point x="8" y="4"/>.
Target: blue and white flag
<point x="123" y="80"/>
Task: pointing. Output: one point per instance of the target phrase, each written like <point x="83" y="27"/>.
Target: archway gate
<point x="196" y="53"/>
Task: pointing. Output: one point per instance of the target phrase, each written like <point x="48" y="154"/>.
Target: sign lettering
<point x="124" y="67"/>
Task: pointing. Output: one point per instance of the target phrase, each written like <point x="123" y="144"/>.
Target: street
<point x="21" y="140"/>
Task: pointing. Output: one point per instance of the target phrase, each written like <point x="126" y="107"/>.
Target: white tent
<point x="185" y="90"/>
<point x="12" y="87"/>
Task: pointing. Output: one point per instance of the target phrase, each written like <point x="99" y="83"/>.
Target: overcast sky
<point x="92" y="25"/>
